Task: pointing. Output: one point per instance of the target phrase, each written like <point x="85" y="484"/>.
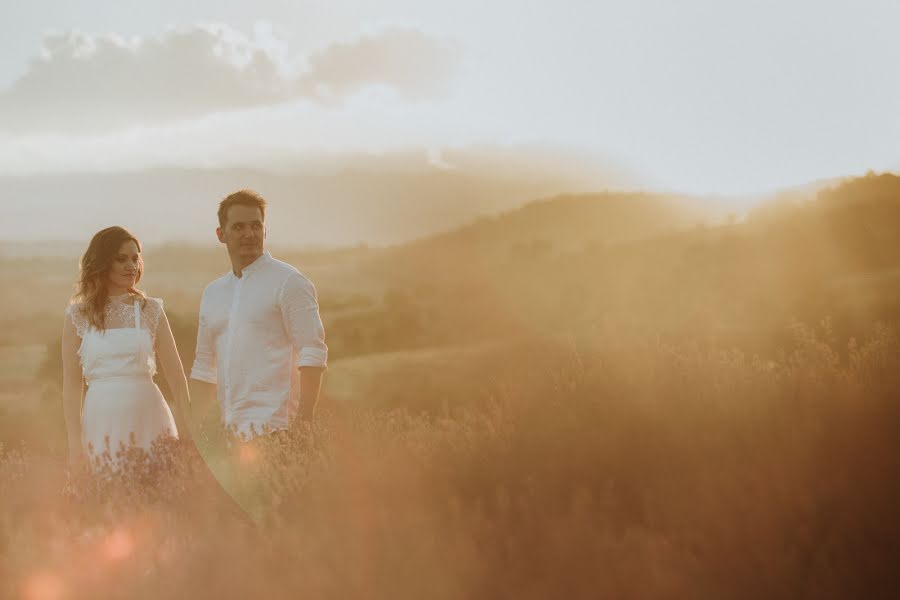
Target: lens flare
<point x="43" y="585"/>
<point x="248" y="454"/>
<point x="118" y="545"/>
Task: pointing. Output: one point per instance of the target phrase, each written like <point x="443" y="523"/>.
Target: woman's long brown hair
<point x="91" y="293"/>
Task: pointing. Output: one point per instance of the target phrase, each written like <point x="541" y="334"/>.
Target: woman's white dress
<point x="122" y="404"/>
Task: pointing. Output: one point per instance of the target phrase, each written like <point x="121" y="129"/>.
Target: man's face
<point x="244" y="232"/>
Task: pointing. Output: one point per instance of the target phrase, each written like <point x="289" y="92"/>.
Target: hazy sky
<point x="699" y="96"/>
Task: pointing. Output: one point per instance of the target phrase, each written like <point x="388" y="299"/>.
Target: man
<point x="260" y="345"/>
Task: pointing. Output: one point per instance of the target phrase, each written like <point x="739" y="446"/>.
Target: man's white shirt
<point x="255" y="331"/>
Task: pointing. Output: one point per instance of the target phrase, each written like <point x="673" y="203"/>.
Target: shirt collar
<point x="255" y="265"/>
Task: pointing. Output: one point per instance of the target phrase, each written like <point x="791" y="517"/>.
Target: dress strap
<point x="137" y="314"/>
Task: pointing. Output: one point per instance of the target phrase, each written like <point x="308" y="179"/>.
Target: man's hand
<point x="205" y="412"/>
<point x="78" y="459"/>
<point x="310" y="384"/>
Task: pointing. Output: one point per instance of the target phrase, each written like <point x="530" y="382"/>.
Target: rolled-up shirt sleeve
<point x="300" y="313"/>
<point x="204" y="368"/>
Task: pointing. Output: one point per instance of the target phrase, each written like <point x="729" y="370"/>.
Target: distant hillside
<point x="787" y="200"/>
<point x="339" y="202"/>
<point x="549" y="227"/>
<point x="835" y="257"/>
<point x="600" y="264"/>
<point x="856" y="222"/>
<point x="609" y="217"/>
<point x="628" y="264"/>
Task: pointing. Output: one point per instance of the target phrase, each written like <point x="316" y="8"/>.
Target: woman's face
<point x="123" y="272"/>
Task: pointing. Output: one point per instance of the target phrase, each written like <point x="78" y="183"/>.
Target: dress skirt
<point x="121" y="411"/>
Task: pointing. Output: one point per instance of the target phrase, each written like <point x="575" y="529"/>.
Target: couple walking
<point x="260" y="345"/>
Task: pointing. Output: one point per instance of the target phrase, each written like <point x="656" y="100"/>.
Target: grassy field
<point x="710" y="412"/>
<point x="635" y="471"/>
<point x="21" y="362"/>
<point x="357" y="380"/>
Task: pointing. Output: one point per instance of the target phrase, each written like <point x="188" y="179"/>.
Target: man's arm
<point x="310" y="384"/>
<point x="204" y="373"/>
<point x="300" y="314"/>
<point x="204" y="404"/>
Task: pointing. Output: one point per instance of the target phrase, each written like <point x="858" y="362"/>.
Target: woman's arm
<point x="73" y="390"/>
<point x="173" y="371"/>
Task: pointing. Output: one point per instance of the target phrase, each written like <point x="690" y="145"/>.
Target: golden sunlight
<point x="44" y="585"/>
<point x="118" y="544"/>
<point x="450" y="300"/>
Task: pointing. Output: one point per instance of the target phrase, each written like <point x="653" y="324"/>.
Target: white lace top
<point x="125" y="348"/>
<point x="120" y="314"/>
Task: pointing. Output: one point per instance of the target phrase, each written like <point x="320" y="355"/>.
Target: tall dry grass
<point x="627" y="470"/>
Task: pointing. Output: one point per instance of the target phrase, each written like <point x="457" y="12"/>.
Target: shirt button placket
<point x="229" y="345"/>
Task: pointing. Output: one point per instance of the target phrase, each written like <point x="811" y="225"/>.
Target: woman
<point x="111" y="333"/>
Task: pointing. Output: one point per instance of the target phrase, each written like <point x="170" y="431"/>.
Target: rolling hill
<point x="332" y="202"/>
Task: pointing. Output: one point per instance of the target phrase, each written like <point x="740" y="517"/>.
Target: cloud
<point x="414" y="64"/>
<point x="84" y="83"/>
<point x="95" y="84"/>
